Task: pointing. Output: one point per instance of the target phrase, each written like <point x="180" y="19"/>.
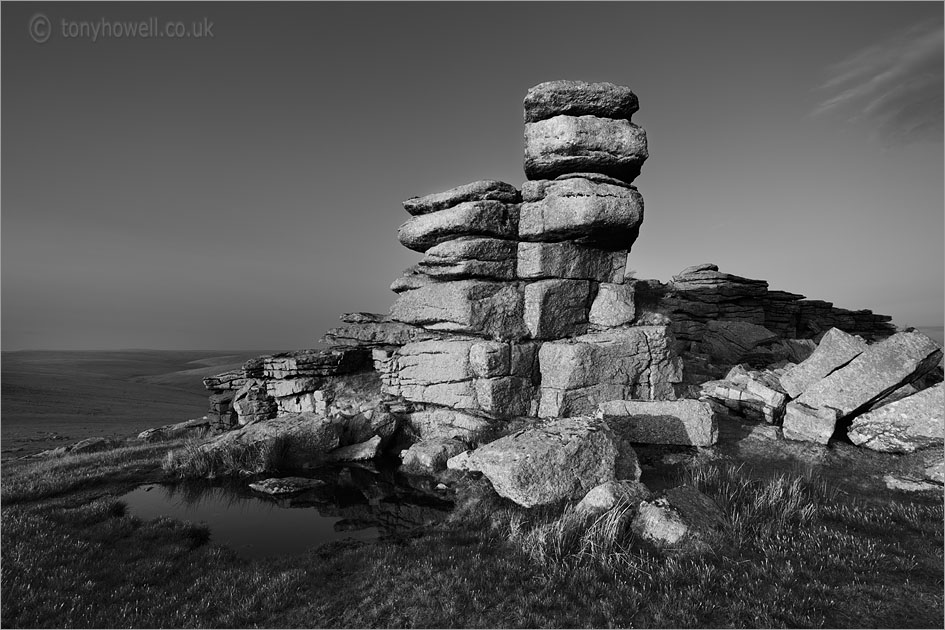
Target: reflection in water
<point x="359" y="503"/>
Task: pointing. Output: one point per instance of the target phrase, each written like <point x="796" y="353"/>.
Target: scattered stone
<point x="483" y="190"/>
<point x="681" y="512"/>
<point x="558" y="460"/>
<point x="879" y="370"/>
<point x="429" y="456"/>
<point x="903" y="426"/>
<point x="578" y="98"/>
<point x="286" y="485"/>
<point x="608" y="495"/>
<point x="363" y="451"/>
<point x="82" y="447"/>
<point x="835" y="350"/>
<point x="570" y="144"/>
<point x="684" y="422"/>
<point x="895" y="482"/>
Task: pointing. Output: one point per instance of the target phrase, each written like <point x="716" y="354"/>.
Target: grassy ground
<point x="795" y="553"/>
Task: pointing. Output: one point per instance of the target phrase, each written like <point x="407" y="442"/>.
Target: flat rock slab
<point x="482" y="190"/>
<point x="604" y="214"/>
<point x="903" y="426"/>
<point x="197" y="427"/>
<point x="835" y="350"/>
<point x="579" y="98"/>
<point x="574" y="144"/>
<point x="362" y="451"/>
<point x="556" y="461"/>
<point x="684" y="422"/>
<point x="472" y="218"/>
<point x="880" y="369"/>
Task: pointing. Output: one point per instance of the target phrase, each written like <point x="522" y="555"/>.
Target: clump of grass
<point x="33" y="479"/>
<point x="232" y="459"/>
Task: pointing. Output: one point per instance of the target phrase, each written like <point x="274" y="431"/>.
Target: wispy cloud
<point x="895" y="85"/>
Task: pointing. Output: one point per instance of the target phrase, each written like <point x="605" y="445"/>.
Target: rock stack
<point x="523" y="293"/>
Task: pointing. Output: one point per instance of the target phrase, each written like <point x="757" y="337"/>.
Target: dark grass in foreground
<point x="795" y="553"/>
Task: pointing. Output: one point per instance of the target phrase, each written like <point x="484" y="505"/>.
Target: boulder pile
<point x="520" y="330"/>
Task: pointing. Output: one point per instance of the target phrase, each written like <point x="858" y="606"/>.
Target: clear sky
<point x="242" y="190"/>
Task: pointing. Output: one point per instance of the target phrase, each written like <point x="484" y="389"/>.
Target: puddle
<point x="356" y="503"/>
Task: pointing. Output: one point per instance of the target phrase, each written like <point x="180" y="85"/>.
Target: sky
<point x="241" y="189"/>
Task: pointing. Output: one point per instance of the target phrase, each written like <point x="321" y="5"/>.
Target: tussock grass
<point x="233" y="459"/>
<point x="33" y="479"/>
<point x="794" y="553"/>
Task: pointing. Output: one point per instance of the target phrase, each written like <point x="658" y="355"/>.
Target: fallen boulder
<point x="903" y="426"/>
<point x="555" y="461"/>
<point x="431" y="455"/>
<point x="877" y="371"/>
<point x="809" y="424"/>
<point x="835" y="350"/>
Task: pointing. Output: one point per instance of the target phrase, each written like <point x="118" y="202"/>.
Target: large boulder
<point x="492" y="309"/>
<point x="597" y="211"/>
<point x="584" y="144"/>
<point x="579" y="98"/>
<point x="483" y="190"/>
<point x="556" y="461"/>
<point x="444" y="424"/>
<point x="472" y="218"/>
<point x="619" y="364"/>
<point x="571" y="261"/>
<point x="835" y="350"/>
<point x="903" y="426"/>
<point x="684" y="422"/>
<point x="879" y="370"/>
<point x="471" y="257"/>
<point x="303" y="439"/>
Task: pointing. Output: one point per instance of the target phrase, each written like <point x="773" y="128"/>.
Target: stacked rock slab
<point x="526" y="288"/>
